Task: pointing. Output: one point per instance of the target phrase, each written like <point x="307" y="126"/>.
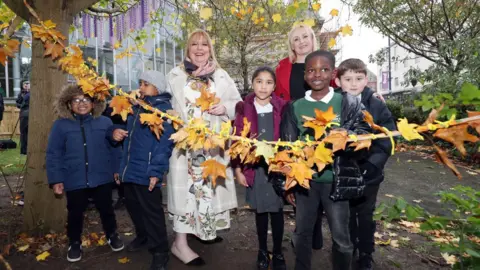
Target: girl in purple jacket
<point x="263" y="110"/>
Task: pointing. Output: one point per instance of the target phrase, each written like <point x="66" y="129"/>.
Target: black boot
<point x="263" y="260"/>
<point x="278" y="262"/>
<point x="365" y="262"/>
<point x="159" y="261"/>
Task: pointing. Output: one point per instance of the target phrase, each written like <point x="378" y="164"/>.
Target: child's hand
<point x="242" y="180"/>
<point x="116" y="176"/>
<point x="119" y="134"/>
<point x="153" y="182"/>
<point x="173" y="113"/>
<point x="217" y="110"/>
<point x="290" y="197"/>
<point x="58" y="188"/>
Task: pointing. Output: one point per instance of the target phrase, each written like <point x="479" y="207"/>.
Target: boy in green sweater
<point x="319" y="67"/>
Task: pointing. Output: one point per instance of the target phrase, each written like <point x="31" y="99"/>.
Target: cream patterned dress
<point x="200" y="218"/>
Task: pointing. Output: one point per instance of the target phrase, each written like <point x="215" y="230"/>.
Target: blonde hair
<point x="291" y="53"/>
<point x="196" y="35"/>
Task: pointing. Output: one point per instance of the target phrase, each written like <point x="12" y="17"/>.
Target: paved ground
<point x="408" y="175"/>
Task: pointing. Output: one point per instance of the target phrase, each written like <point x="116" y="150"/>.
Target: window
<point x="395" y="66"/>
<point x="395" y="50"/>
<point x="396" y="81"/>
<point x="405" y="63"/>
<point x="417" y="60"/>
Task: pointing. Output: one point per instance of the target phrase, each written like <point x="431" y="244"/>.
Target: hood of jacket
<point x="62" y="106"/>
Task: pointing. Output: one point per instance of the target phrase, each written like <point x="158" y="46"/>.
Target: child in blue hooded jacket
<point x="80" y="161"/>
<point x="144" y="163"/>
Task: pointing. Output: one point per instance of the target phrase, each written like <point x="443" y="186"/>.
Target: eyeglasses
<point x="81" y="100"/>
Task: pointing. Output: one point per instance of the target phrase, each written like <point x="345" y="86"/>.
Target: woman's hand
<point x="217" y="110"/>
<point x="58" y="188"/>
<point x="242" y="180"/>
<point x="153" y="182"/>
<point x="116" y="176"/>
<point x="119" y="134"/>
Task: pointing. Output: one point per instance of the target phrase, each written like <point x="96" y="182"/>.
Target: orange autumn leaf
<point x="53" y="49"/>
<point x="213" y="169"/>
<point x="322" y="156"/>
<point x="180" y="139"/>
<point x="300" y="172"/>
<point x="338" y="138"/>
<point x="206" y="100"/>
<point x="457" y="135"/>
<point x="474" y="124"/>
<point x="361" y="144"/>
<point x="432" y="116"/>
<point x="246" y="127"/>
<point x="121" y="106"/>
<point x="369" y="119"/>
<point x="321" y="120"/>
<point x="441" y="156"/>
<point x="9" y="49"/>
<point x="240" y="149"/>
<point x="154" y="122"/>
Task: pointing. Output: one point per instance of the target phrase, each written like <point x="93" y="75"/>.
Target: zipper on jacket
<point x="149" y="157"/>
<point x="129" y="144"/>
<point x="82" y="128"/>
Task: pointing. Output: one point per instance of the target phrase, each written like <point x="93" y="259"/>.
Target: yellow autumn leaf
<point x="408" y="130"/>
<point x="276" y="17"/>
<point x="331" y="43"/>
<point x="124" y="260"/>
<point x="265" y="150"/>
<point x="23" y="248"/>
<point x="43" y="256"/>
<point x="206" y="13"/>
<point x="450" y="259"/>
<point x="233" y="10"/>
<point x="316" y="6"/>
<point x="334" y="12"/>
<point x="346" y="30"/>
<point x="261" y="10"/>
<point x="213" y="41"/>
<point x="158" y="50"/>
<point x="49" y="24"/>
<point x="117" y="45"/>
<point x="225" y="42"/>
<point x="265" y="25"/>
<point x="310" y="22"/>
<point x="3" y="25"/>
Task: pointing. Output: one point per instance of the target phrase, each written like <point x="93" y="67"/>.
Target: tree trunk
<point x="42" y="210"/>
<point x="244" y="66"/>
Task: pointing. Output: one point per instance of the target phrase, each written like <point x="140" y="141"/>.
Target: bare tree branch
<point x="13" y="26"/>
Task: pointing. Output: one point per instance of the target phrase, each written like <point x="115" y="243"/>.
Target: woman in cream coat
<point x="196" y="206"/>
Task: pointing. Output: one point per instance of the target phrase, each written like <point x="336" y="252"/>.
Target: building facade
<point x="402" y="61"/>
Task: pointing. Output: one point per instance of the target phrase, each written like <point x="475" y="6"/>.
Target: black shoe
<point x="263" y="260"/>
<point x="159" y="261"/>
<point x="196" y="262"/>
<point x="278" y="262"/>
<point x="365" y="261"/>
<point x="120" y="203"/>
<point x="218" y="239"/>
<point x="74" y="252"/>
<point x="137" y="244"/>
<point x="115" y="242"/>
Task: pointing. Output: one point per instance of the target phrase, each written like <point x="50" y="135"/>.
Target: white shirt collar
<point x="325" y="99"/>
<point x="263" y="109"/>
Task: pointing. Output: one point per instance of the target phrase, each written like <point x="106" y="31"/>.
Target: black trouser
<point x="23" y="134"/>
<point x="362" y="225"/>
<point x="146" y="211"/>
<point x="317" y="242"/>
<point x="277" y="223"/>
<point x="308" y="204"/>
<point x="77" y="202"/>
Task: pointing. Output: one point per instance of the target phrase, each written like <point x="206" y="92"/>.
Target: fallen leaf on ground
<point x="43" y="256"/>
<point x="472" y="173"/>
<point x="124" y="260"/>
<point x="23" y="248"/>
<point x="391" y="234"/>
<point x="406" y="239"/>
<point x="383" y="243"/>
<point x="389" y="195"/>
<point x="394" y="243"/>
<point x="417" y="201"/>
<point x="378" y="235"/>
<point x="450" y="259"/>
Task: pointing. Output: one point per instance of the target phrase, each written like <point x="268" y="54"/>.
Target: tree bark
<point x="42" y="210"/>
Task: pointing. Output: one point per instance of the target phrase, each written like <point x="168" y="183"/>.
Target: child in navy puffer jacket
<point x="144" y="163"/>
<point x="80" y="162"/>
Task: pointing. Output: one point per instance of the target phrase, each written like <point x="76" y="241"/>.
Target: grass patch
<point x="11" y="161"/>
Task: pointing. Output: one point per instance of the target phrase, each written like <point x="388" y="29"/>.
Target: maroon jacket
<point x="282" y="72"/>
<point x="247" y="109"/>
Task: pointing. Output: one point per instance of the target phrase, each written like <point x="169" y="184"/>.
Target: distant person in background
<point x="23" y="103"/>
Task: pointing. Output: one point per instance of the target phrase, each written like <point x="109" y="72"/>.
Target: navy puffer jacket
<point x="144" y="155"/>
<point x="79" y="154"/>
